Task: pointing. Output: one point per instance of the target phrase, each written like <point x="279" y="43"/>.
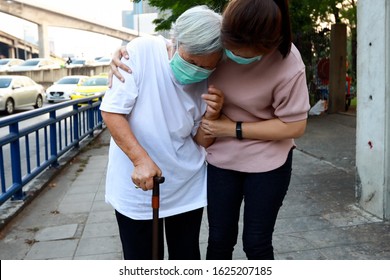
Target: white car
<point x="19" y="91"/>
<point x="80" y="63"/>
<point x="62" y="89"/>
<point x="103" y="61"/>
<point x="6" y="63"/>
<point x="35" y="64"/>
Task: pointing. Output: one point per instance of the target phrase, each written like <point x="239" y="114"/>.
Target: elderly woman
<point x="153" y="118"/>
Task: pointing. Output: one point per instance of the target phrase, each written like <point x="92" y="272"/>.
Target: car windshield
<point x="104" y="59"/>
<point x="68" y="81"/>
<point x="4" y="61"/>
<point x="96" y="82"/>
<point x="30" y="63"/>
<point x="5" y="82"/>
<point x="80" y="61"/>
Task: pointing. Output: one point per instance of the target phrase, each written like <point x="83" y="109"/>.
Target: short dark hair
<point x="261" y="24"/>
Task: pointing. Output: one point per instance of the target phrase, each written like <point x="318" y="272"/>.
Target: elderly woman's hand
<point x="116" y="63"/>
<point x="143" y="173"/>
<point x="214" y="100"/>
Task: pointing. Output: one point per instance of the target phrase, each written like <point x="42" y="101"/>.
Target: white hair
<point x="198" y="30"/>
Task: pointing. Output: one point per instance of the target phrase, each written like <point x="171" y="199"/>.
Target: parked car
<point x="63" y="88"/>
<point x="103" y="61"/>
<point x="6" y="63"/>
<point x="19" y="91"/>
<point x="35" y="64"/>
<point x="94" y="85"/>
<point x="80" y="63"/>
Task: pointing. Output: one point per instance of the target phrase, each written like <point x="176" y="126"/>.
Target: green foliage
<point x="313" y="38"/>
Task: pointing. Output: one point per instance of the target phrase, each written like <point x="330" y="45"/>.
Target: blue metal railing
<point x="36" y="139"/>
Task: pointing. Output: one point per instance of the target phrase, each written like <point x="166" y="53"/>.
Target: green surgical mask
<point x="241" y="60"/>
<point x="187" y="73"/>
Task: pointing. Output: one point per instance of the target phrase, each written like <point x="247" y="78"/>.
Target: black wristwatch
<point x="239" y="130"/>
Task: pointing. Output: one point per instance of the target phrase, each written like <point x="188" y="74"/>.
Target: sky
<point x="81" y="43"/>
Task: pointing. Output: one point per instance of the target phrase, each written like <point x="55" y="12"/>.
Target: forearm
<point x="273" y="129"/>
<point x="123" y="136"/>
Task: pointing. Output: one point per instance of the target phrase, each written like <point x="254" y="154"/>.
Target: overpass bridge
<point x="45" y="18"/>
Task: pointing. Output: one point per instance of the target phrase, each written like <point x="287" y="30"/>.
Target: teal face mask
<point x="187" y="73"/>
<point x="241" y="60"/>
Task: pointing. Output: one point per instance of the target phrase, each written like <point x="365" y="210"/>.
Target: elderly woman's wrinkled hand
<point x="214" y="100"/>
<point x="143" y="174"/>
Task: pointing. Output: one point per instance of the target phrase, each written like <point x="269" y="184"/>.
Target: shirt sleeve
<point x="291" y="100"/>
<point x="198" y="117"/>
<point x="121" y="97"/>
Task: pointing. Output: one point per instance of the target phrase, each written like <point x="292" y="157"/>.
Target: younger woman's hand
<point x="116" y="63"/>
<point x="222" y="127"/>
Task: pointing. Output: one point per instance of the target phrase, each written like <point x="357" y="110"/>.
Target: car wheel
<point x="9" y="106"/>
<point x="39" y="102"/>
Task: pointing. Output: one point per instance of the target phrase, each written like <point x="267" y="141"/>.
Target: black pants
<point x="263" y="194"/>
<point x="181" y="231"/>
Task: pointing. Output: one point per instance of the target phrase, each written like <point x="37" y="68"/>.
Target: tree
<point x="311" y="23"/>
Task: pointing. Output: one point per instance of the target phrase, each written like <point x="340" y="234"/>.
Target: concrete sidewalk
<point x="319" y="219"/>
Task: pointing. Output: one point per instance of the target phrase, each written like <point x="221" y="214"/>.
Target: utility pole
<point x="337" y="67"/>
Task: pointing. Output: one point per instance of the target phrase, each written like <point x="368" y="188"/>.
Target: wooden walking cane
<point x="156" y="205"/>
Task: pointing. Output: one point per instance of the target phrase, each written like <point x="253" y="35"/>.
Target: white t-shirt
<point x="164" y="116"/>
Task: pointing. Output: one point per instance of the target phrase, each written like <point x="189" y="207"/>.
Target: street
<point x="4" y="131"/>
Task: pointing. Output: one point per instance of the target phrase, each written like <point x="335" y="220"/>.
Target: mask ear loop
<point x="170" y="49"/>
<point x="173" y="48"/>
<point x="176" y="48"/>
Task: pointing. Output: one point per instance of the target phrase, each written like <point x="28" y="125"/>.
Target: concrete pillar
<point x="11" y="52"/>
<point x="43" y="40"/>
<point x="387" y="114"/>
<point x="337" y="68"/>
<point x="373" y="107"/>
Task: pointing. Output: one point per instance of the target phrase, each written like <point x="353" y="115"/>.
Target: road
<point x="32" y="146"/>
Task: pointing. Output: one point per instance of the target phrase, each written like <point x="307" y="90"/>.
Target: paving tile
<point x="101" y="217"/>
<point x="100" y="195"/>
<point x="109" y="256"/>
<point x="291" y="242"/>
<point x="331" y="237"/>
<point x="78" y="197"/>
<point x="52" y="250"/>
<point x="301" y="255"/>
<point x="56" y="233"/>
<point x="101" y="229"/>
<point x="83" y="187"/>
<point x="299" y="224"/>
<point x="101" y="205"/>
<point x="351" y="217"/>
<point x="75" y="207"/>
<point x="363" y="251"/>
<point x="98" y="245"/>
